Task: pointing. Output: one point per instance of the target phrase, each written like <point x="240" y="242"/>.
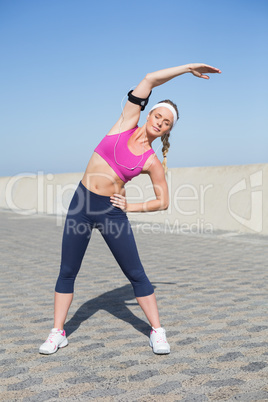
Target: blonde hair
<point x="165" y="137"/>
<point x="165" y="149"/>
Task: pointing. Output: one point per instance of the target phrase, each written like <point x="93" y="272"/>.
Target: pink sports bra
<point x="114" y="150"/>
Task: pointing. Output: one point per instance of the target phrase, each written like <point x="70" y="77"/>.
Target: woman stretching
<point x="99" y="201"/>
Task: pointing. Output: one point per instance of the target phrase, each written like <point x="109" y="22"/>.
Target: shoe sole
<point x="159" y="351"/>
<point x="62" y="345"/>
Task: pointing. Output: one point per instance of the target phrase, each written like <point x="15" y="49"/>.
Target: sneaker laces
<point x="161" y="335"/>
<point x="52" y="334"/>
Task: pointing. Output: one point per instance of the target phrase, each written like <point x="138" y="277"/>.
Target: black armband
<point x="138" y="101"/>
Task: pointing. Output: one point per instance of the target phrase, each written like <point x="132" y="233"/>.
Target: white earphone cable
<point x="132" y="168"/>
<point x="129" y="168"/>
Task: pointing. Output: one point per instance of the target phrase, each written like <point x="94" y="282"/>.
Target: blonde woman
<point x="99" y="201"/>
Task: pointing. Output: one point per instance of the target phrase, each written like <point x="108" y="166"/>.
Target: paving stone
<point x="14" y="372"/>
<point x="26" y="341"/>
<point x="224" y="383"/>
<point x="258" y="328"/>
<point x="103" y="393"/>
<point x="81" y="380"/>
<point x="228" y="357"/>
<point x="25" y="384"/>
<point x="200" y="371"/>
<point x="255" y="345"/>
<point x="92" y="346"/>
<point x="255" y="366"/>
<point x="187" y="341"/>
<point x="143" y="375"/>
<point x="195" y="398"/>
<point x="212" y="294"/>
<point x="208" y="348"/>
<point x="165" y="388"/>
<point x="129" y="363"/>
<point x="42" y="396"/>
<point x="64" y="369"/>
<point x="251" y="396"/>
<point x="7" y="362"/>
<point x="237" y="322"/>
<point x="109" y="355"/>
<point x="40" y="320"/>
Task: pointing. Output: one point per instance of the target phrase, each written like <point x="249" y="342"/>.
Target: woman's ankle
<point x="60" y="327"/>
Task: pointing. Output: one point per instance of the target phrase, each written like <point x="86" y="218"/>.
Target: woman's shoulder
<point x="152" y="164"/>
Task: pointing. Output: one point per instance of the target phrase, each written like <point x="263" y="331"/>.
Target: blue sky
<point x="67" y="64"/>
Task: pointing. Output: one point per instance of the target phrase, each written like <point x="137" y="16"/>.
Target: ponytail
<point x="165" y="149"/>
<point x="165" y="138"/>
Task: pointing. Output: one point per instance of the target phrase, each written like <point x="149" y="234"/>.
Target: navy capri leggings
<point x="89" y="210"/>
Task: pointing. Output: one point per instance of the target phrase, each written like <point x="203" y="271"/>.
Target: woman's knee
<point x="143" y="289"/>
<point x="141" y="284"/>
<point x="68" y="272"/>
<point x="66" y="278"/>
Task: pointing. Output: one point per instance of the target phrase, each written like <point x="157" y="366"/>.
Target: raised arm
<point x="131" y="112"/>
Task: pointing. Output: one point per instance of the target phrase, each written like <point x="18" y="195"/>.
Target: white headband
<point x="170" y="107"/>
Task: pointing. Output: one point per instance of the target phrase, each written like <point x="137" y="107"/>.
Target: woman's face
<point x="160" y="121"/>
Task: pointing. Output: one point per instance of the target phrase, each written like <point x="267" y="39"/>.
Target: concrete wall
<point x="202" y="199"/>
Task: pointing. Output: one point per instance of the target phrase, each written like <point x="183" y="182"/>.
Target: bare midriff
<point x="101" y="179"/>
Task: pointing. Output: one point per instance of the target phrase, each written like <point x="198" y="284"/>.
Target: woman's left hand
<point x="119" y="201"/>
<point x="198" y="69"/>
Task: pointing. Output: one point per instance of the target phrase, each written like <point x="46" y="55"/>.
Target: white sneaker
<point x="159" y="342"/>
<point x="56" y="339"/>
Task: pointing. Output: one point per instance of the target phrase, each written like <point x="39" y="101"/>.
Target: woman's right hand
<point x="200" y="70"/>
<point x="119" y="201"/>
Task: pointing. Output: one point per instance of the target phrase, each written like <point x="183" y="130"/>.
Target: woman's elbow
<point x="164" y="204"/>
<point x="150" y="79"/>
